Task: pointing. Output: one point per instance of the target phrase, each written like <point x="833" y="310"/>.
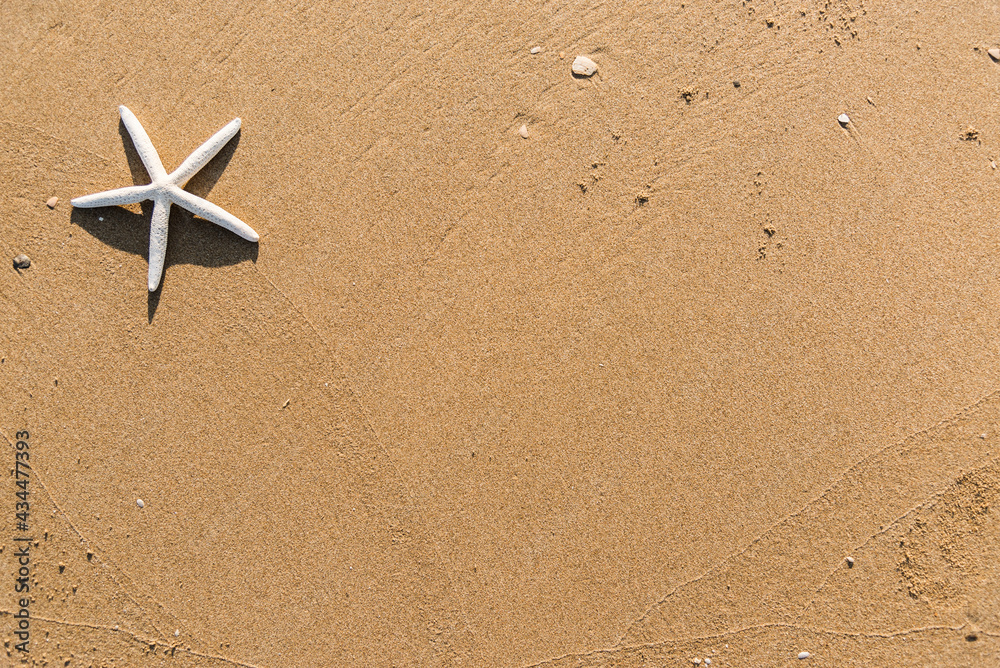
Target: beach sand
<point x="627" y="391"/>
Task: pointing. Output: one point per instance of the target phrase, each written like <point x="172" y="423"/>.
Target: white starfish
<point x="166" y="189"/>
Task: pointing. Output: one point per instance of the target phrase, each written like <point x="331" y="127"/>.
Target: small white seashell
<point x="140" y="503"/>
<point x="804" y="655"/>
<point x="523" y="131"/>
<point x="536" y="49"/>
<point x="843" y="119"/>
<point x="584" y="66"/>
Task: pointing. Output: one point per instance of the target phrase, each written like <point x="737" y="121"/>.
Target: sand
<point x="626" y="392"/>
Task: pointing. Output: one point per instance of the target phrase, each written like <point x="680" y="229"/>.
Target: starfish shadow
<point x="191" y="241"/>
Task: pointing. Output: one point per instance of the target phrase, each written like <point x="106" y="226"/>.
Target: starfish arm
<point x="158" y="241"/>
<point x="204" y="153"/>
<point x="209" y="211"/>
<point x="143" y="145"/>
<point x="116" y="197"/>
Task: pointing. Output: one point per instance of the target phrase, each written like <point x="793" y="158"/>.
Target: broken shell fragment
<point x="523" y="131"/>
<point x="584" y="66"/>
<point x="994" y="53"/>
<point x="536" y="49"/>
<point x="22" y="261"/>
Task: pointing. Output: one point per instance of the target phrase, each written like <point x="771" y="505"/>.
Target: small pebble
<point x="736" y="84"/>
<point x="708" y="662"/>
<point x="843" y="119"/>
<point x="850" y="562"/>
<point x="22" y="261"/>
<point x="696" y="662"/>
<point x="52" y="202"/>
<point x="140" y="503"/>
<point x="584" y="66"/>
<point x="994" y="54"/>
<point x="523" y="131"/>
<point x="536" y="49"/>
<point x="804" y="655"/>
<point x="177" y="633"/>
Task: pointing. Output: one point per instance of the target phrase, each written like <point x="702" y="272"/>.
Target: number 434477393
<point x="22" y="474"/>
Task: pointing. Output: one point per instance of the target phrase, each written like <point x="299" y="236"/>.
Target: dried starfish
<point x="166" y="189"/>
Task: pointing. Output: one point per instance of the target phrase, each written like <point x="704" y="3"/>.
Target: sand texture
<point x="528" y="368"/>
